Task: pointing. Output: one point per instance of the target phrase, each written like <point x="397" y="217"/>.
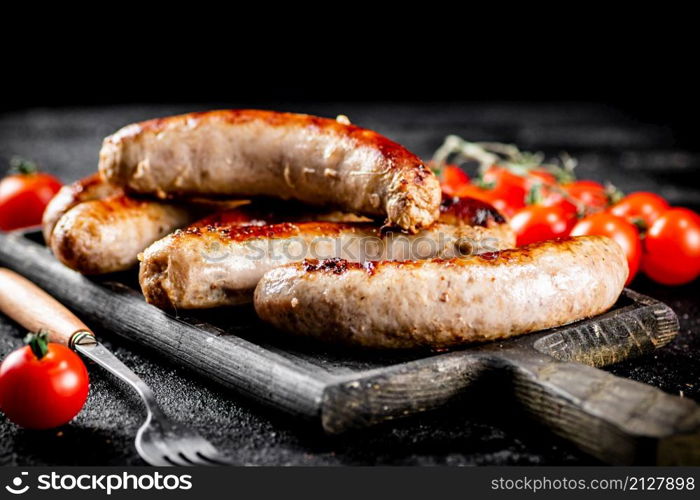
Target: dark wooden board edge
<point x="402" y="390"/>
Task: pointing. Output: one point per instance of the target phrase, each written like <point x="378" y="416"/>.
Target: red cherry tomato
<point x="622" y="231"/>
<point x="42" y="393"/>
<point x="499" y="176"/>
<point x="506" y="191"/>
<point x="672" y="247"/>
<point x="641" y="205"/>
<point x="473" y="191"/>
<point x="504" y="199"/>
<point x="507" y="198"/>
<point x="555" y="196"/>
<point x="590" y="195"/>
<point x="452" y="178"/>
<point x="24" y="196"/>
<point x="541" y="177"/>
<point x="539" y="223"/>
<point x="525" y="179"/>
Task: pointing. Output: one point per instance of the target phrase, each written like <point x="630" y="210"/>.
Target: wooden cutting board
<point x="551" y="374"/>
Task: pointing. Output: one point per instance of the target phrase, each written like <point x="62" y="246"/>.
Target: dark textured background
<point x="634" y="150"/>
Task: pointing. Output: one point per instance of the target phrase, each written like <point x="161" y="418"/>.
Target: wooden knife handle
<point x="618" y="420"/>
<point x="34" y="309"/>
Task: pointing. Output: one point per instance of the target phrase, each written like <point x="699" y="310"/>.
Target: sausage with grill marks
<point x="243" y="153"/>
<point x="443" y="303"/>
<point x="93" y="227"/>
<point x="106" y="235"/>
<point x="90" y="188"/>
<point x="218" y="262"/>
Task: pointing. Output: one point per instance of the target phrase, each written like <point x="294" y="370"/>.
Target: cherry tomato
<point x="566" y="206"/>
<point x="473" y="191"/>
<point x="452" y="178"/>
<point x="539" y="223"/>
<point x="590" y="195"/>
<point x="541" y="177"/>
<point x="672" y="247"/>
<point x="42" y="385"/>
<point x="642" y="205"/>
<point x="499" y="176"/>
<point x="555" y="196"/>
<point x="24" y="196"/>
<point x="503" y="199"/>
<point x="507" y="190"/>
<point x="622" y="231"/>
<point x="507" y="198"/>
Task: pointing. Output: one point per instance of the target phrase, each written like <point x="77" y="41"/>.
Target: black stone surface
<point x="481" y="429"/>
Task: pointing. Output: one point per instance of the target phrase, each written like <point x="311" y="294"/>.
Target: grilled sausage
<point x="103" y="236"/>
<point x="90" y="188"/>
<point x="292" y="156"/>
<point x="443" y="303"/>
<point x="215" y="263"/>
<point x="106" y="229"/>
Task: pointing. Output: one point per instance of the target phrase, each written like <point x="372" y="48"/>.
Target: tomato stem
<point x="534" y="196"/>
<point x="487" y="154"/>
<point x="22" y="166"/>
<point x="480" y="182"/>
<point x="613" y="193"/>
<point x="641" y="225"/>
<point x="38" y="342"/>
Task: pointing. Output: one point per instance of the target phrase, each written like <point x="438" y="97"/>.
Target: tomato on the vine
<point x="503" y="198"/>
<point x="24" y="196"/>
<point x="641" y="205"/>
<point x="497" y="175"/>
<point x="622" y="231"/>
<point x="539" y="177"/>
<point x="507" y="199"/>
<point x="506" y="190"/>
<point x="42" y="385"/>
<point x="590" y="195"/>
<point x="539" y="222"/>
<point x="473" y="191"/>
<point x="672" y="247"/>
<point x="452" y="178"/>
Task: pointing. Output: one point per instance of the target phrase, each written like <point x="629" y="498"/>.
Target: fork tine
<point x="195" y="459"/>
<point x="184" y="452"/>
<point x="216" y="458"/>
<point x="188" y="449"/>
<point x="177" y="460"/>
<point x="205" y="452"/>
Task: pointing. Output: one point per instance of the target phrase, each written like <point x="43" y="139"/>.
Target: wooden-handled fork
<point x="159" y="441"/>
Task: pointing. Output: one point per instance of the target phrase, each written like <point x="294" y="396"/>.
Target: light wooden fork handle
<point x="35" y="310"/>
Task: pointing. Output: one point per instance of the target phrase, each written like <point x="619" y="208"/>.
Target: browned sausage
<point x="218" y="262"/>
<point x="90" y="188"/>
<point x="442" y="303"/>
<point x="103" y="236"/>
<point x="93" y="227"/>
<point x="245" y="153"/>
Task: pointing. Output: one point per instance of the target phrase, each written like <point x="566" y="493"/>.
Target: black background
<point x="637" y="61"/>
